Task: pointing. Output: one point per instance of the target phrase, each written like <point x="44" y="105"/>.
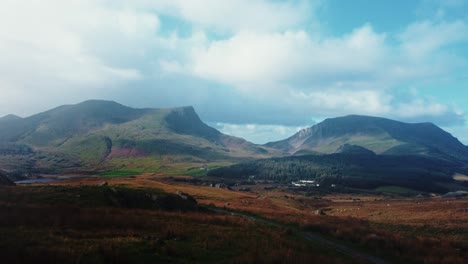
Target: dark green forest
<point x="357" y="171"/>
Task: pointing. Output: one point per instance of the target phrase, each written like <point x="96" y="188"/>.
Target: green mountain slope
<point x="380" y="135"/>
<point x="105" y="135"/>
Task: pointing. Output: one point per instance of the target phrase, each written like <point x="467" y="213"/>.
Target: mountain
<point x="56" y="125"/>
<point x="362" y="152"/>
<point x="105" y="135"/>
<point x="9" y="117"/>
<point x="354" y="150"/>
<point x="379" y="135"/>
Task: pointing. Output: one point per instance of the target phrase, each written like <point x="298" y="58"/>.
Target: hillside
<point x="380" y="135"/>
<point x="106" y="135"/>
<point x="351" y="169"/>
<point x="9" y="118"/>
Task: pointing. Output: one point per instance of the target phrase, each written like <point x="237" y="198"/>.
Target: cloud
<point x="278" y="57"/>
<point x="362" y="55"/>
<point x="420" y="109"/>
<point x="260" y="134"/>
<point x="239" y="61"/>
<point x="340" y="102"/>
<point x="230" y="16"/>
<point x="420" y="39"/>
<point x="354" y="73"/>
<point x="68" y="50"/>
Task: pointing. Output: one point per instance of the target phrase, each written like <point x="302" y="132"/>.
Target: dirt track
<point x="315" y="238"/>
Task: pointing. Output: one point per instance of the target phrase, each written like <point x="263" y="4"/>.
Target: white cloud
<point x="345" y="101"/>
<point x="259" y="134"/>
<point x="336" y="75"/>
<point x="419" y="107"/>
<point x="229" y="16"/>
<point x="363" y="55"/>
<point x="423" y="38"/>
<point x="267" y="50"/>
<point x="68" y="48"/>
<point x="251" y="57"/>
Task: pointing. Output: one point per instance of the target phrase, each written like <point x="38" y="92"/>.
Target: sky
<point x="257" y="69"/>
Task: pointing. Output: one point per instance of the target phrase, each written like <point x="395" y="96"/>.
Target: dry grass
<point x="429" y="230"/>
<point x="38" y="232"/>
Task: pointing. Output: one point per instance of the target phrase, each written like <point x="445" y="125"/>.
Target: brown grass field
<point x="402" y="230"/>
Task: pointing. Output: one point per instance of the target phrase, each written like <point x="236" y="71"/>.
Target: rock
<point x="319" y="212"/>
<point x="186" y="196"/>
<point x="102" y="184"/>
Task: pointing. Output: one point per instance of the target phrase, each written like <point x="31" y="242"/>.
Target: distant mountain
<point x="362" y="152"/>
<point x="9" y="117"/>
<point x="107" y="135"/>
<point x="355" y="150"/>
<point x="379" y="135"/>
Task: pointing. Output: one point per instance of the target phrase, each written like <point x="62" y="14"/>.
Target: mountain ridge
<point x="107" y="135"/>
<point x="380" y="135"/>
<point x="99" y="135"/>
<point x="9" y="117"/>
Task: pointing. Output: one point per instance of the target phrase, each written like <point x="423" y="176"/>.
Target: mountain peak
<point x="185" y="110"/>
<point x="376" y="134"/>
<point x="99" y="105"/>
<point x="10" y="117"/>
<point x="184" y="120"/>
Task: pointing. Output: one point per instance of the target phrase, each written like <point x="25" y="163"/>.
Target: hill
<point x="380" y="135"/>
<point x="351" y="169"/>
<point x="9" y="117"/>
<point x="104" y="135"/>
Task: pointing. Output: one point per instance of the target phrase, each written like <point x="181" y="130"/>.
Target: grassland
<point x="82" y="224"/>
<point x="419" y="230"/>
<point x="73" y="221"/>
<point x="168" y="165"/>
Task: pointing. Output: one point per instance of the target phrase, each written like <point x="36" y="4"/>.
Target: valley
<point x="99" y="182"/>
<point x="234" y="132"/>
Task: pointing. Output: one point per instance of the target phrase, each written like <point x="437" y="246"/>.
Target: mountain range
<point x="107" y="137"/>
<point x="363" y="152"/>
